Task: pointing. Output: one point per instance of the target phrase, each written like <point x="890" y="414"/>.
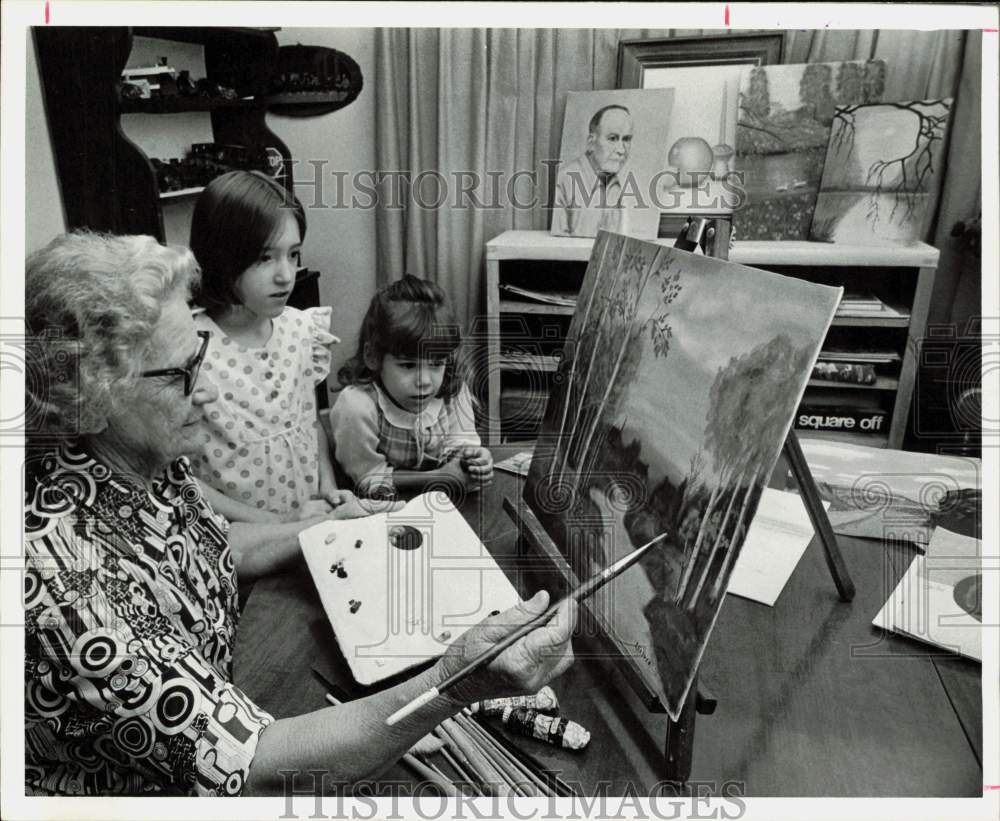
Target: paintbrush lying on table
<point x="484" y="763"/>
<point x="588" y="588"/>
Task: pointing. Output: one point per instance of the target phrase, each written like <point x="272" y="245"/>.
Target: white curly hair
<point x="92" y="303"/>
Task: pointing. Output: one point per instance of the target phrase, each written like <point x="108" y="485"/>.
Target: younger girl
<point x="265" y="454"/>
<point x="405" y="419"/>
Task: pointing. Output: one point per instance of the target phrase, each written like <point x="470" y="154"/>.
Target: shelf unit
<point x="902" y="276"/>
<point x="107" y="180"/>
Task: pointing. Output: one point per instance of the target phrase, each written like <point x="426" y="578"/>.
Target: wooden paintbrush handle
<point x="493" y="780"/>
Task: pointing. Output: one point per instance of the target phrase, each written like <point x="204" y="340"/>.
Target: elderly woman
<point x="131" y="579"/>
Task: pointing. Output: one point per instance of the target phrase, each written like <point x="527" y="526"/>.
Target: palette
<point x="398" y="588"/>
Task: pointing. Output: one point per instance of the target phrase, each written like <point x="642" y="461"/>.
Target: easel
<point x="712" y="236"/>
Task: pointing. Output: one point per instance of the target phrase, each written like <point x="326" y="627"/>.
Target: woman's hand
<point x="477" y="462"/>
<point x="526" y="666"/>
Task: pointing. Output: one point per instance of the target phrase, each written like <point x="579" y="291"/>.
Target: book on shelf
<point x="852" y="373"/>
<point x="566" y="299"/>
<point x="530" y="360"/>
<point x="840" y="418"/>
<point x="864" y="303"/>
<point x="861" y="357"/>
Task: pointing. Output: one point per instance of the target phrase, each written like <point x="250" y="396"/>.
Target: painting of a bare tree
<point x="783" y="126"/>
<point x="679" y="380"/>
<point x="880" y="168"/>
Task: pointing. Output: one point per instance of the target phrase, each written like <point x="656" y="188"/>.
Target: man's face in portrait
<point x="610" y="146"/>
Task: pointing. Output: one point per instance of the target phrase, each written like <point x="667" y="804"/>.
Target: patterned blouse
<point x="130" y="617"/>
<point x="372" y="435"/>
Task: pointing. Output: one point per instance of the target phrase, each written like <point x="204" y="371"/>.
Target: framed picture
<point x="704" y="74"/>
<point x="638" y="58"/>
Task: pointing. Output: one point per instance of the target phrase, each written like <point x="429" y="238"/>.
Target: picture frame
<point x="637" y="57"/>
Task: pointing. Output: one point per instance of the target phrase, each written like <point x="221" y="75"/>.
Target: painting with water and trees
<point x="782" y="129"/>
<point x="880" y="171"/>
<point x="680" y="377"/>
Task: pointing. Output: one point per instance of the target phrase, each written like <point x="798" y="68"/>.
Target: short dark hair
<point x="233" y="220"/>
<point x="595" y="121"/>
<point x="409" y="318"/>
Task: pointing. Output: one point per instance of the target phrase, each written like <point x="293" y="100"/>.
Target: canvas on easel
<point x="679" y="381"/>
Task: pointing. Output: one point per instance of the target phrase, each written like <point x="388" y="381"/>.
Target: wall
<point x="43" y="217"/>
<point x="340" y="242"/>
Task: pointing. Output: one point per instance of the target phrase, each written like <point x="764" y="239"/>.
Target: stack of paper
<point x="939" y="600"/>
<point x="778" y="537"/>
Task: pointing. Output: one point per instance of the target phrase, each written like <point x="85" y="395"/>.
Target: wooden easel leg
<point x="817" y="514"/>
<point x="678" y="749"/>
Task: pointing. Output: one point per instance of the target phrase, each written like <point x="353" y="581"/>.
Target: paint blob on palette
<point x="399" y="587"/>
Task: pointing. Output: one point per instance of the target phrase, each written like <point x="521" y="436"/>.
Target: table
<point x="813" y="700"/>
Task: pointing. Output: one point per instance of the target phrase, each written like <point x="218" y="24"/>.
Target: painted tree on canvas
<point x="622" y="317"/>
<point x="632" y="323"/>
<point x="815" y="91"/>
<point x="743" y="393"/>
<point x="906" y="174"/>
<point x="587" y="343"/>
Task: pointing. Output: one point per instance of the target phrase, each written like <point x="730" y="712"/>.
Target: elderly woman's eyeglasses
<point x="189" y="371"/>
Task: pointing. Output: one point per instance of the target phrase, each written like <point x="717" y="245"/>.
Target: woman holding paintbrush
<point x="131" y="579"/>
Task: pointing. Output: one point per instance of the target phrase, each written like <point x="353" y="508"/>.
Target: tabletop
<point x="812" y="699"/>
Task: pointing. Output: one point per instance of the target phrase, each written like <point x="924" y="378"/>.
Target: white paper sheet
<point x="778" y="537"/>
<point x="940" y="596"/>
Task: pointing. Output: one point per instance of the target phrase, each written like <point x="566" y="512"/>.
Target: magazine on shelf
<point x="566" y="299"/>
<point x="863" y="357"/>
<point x="864" y="304"/>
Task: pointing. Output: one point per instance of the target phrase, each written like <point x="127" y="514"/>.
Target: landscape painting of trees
<point x="880" y="169"/>
<point x="783" y="126"/>
<point x="680" y="377"/>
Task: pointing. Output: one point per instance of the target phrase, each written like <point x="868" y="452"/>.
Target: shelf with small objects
<point x="143" y="118"/>
<point x="861" y="389"/>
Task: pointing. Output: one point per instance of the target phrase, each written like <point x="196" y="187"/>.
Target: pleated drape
<point x="488" y="104"/>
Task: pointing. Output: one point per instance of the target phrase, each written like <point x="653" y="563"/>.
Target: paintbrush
<point x="588" y="588"/>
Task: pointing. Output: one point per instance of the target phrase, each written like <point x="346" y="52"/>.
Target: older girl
<point x="263" y="450"/>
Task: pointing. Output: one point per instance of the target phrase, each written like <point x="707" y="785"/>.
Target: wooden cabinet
<point x="525" y="335"/>
<point x="104" y="145"/>
<point x="901" y="277"/>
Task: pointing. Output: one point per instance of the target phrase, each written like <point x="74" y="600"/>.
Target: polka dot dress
<point x="260" y="439"/>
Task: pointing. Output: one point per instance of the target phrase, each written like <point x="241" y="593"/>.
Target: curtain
<point x="479" y="102"/>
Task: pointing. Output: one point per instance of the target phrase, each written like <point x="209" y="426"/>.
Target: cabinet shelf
<point x="906" y="279"/>
<point x="871" y="440"/>
<point x="882" y="383"/>
<point x="306" y="98"/>
<point x="517" y="306"/>
<point x="856" y="321"/>
<point x="179" y="105"/>
<point x="183" y="193"/>
<point x="531" y="362"/>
